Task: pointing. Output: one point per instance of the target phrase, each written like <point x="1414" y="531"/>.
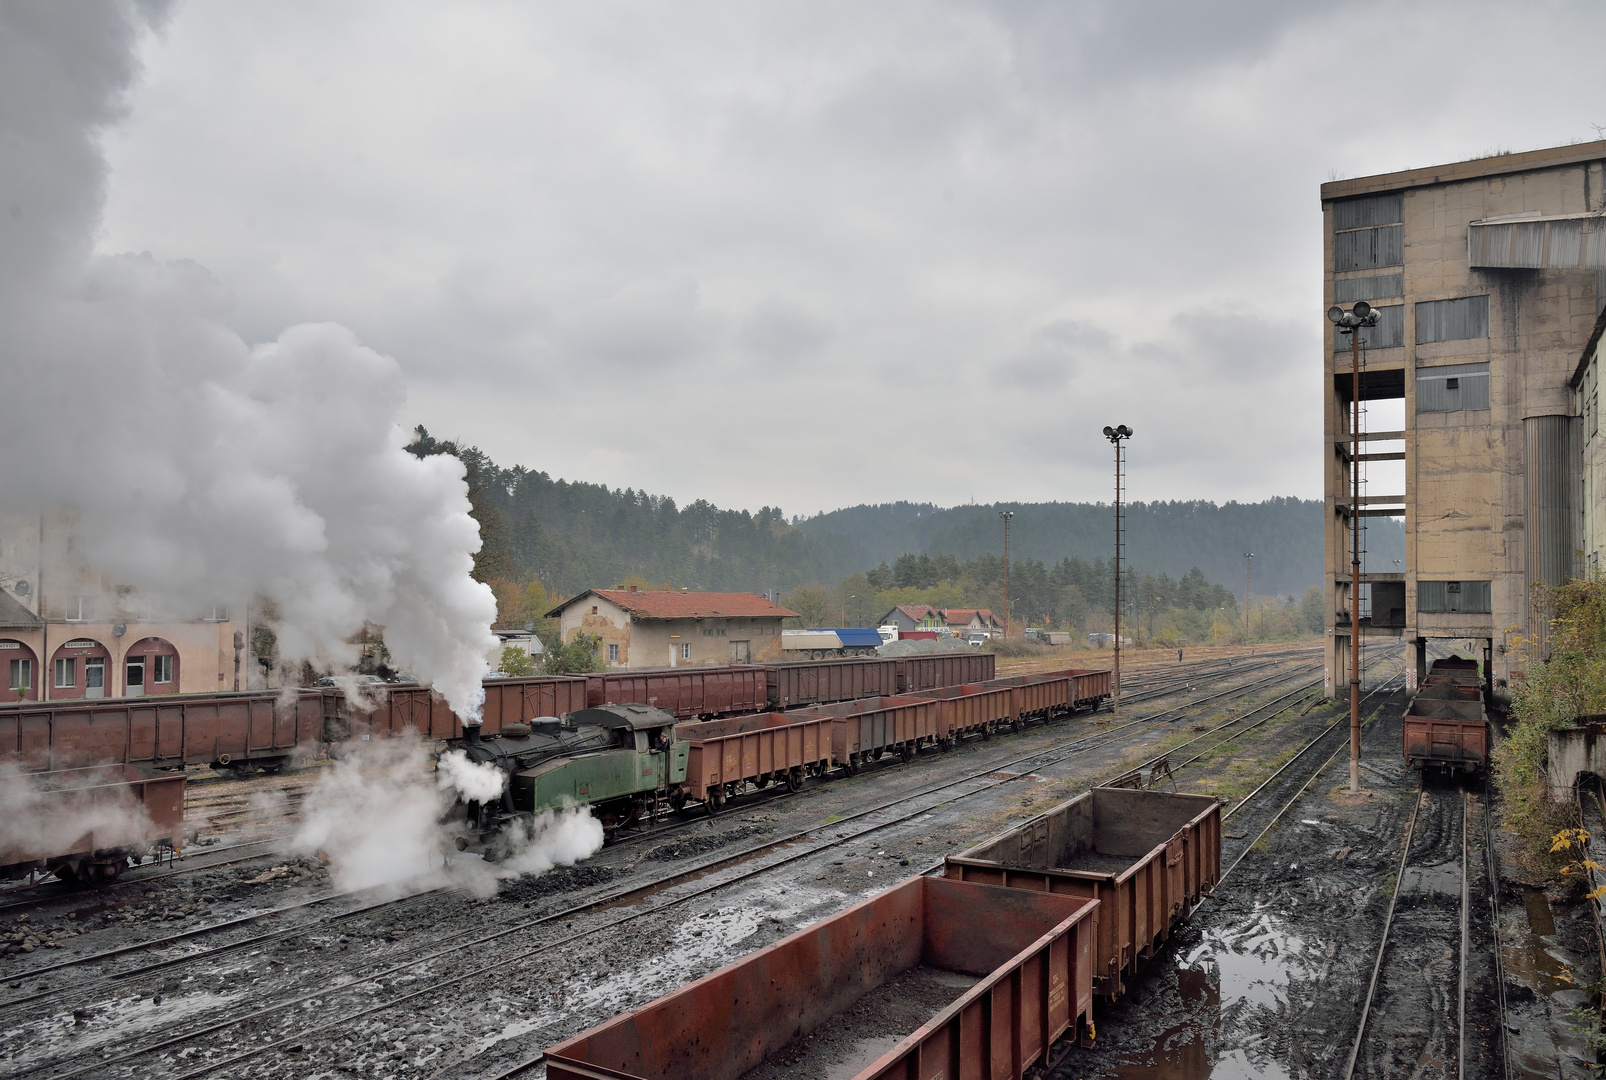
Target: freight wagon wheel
<point x="794" y="780"/>
<point x="878" y="752"/>
<point x="762" y="782"/>
<point x="677" y="800"/>
<point x="986" y="731"/>
<point x="715" y="802"/>
<point x="906" y="751"/>
<point x="852" y="765"/>
<point x="945" y="745"/>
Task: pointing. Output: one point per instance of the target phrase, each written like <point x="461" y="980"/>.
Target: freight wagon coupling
<point x="1015" y="968"/>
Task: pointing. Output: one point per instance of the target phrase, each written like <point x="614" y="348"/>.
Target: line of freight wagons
<point x="263" y="729"/>
<point x="1025" y="929"/>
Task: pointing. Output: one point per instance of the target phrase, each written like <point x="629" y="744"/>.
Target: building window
<point x="1389" y="333"/>
<point x="593" y="609"/>
<point x="613" y="654"/>
<point x="1452" y="320"/>
<point x="685" y="650"/>
<point x="1452" y="388"/>
<point x="1451" y="596"/>
<point x="1384" y="286"/>
<point x="161" y="669"/>
<point x="1370" y="211"/>
<point x="218" y="613"/>
<point x="1594" y="413"/>
<point x="66" y="675"/>
<point x="21" y="674"/>
<point x="72" y="610"/>
<point x="1365" y="249"/>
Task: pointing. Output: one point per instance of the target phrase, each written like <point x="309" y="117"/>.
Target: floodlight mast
<point x="1117" y="435"/>
<point x="1351" y="322"/>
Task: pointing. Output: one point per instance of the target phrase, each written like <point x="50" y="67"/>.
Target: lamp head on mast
<point x="1116" y="434"/>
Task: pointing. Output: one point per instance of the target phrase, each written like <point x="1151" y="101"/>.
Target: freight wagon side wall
<point x="728" y="1022"/>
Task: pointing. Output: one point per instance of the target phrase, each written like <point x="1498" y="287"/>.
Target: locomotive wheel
<point x="794" y="780"/>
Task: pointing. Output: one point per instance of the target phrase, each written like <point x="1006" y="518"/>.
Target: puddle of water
<point x="1225" y="982"/>
<point x="1542" y="1038"/>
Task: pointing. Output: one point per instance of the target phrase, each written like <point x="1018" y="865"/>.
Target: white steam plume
<point x="377" y="816"/>
<point x="203" y="470"/>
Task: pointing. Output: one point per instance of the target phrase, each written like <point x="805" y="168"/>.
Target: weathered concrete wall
<point x="1467" y="481"/>
<point x="1573" y="751"/>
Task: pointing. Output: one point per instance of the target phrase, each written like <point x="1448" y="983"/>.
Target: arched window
<point x="150" y="667"/>
<point x="79" y="669"/>
<point x="20" y="667"/>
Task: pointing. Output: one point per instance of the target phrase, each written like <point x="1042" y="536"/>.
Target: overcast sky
<point x="816" y="254"/>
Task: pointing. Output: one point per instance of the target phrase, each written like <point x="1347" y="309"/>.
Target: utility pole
<point x="1116" y="435"/>
<point x="1249" y="558"/>
<point x="1350" y="322"/>
<point x="1006" y="515"/>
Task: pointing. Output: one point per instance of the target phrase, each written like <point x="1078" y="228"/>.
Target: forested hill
<point x="1161" y="537"/>
<point x="572" y="536"/>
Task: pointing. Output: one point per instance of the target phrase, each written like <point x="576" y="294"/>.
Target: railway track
<point x="1424" y="949"/>
<point x="756" y="860"/>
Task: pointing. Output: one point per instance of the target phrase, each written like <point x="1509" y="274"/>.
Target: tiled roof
<point x="13" y="616"/>
<point x="674" y="604"/>
<point x="916" y="611"/>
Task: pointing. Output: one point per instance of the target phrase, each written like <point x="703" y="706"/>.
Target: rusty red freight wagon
<point x="167" y="732"/>
<point x="687" y="692"/>
<point x="420" y="710"/>
<point x="815" y="682"/>
<point x="861" y="731"/>
<point x="1016" y="967"/>
<point x="84" y="824"/>
<point x="724" y="754"/>
<point x="1147" y="856"/>
<point x="945" y="669"/>
<point x="1443" y="729"/>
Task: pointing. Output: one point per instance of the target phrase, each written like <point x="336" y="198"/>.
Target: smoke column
<point x="204" y="470"/>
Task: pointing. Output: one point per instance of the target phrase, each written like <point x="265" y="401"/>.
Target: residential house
<point x="648" y="628"/>
<point x="908" y="617"/>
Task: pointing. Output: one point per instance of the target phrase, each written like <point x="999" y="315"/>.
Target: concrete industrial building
<point x="1489" y="276"/>
<point x="656" y="628"/>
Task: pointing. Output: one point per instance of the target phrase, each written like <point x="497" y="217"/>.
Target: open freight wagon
<point x="1446" y="725"/>
<point x="85" y="824"/>
<point x="1147" y="856"/>
<point x="1014" y="966"/>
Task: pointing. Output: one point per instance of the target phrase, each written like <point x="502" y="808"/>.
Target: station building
<point x="67" y="633"/>
<point x="657" y="628"/>
<point x="1479" y="402"/>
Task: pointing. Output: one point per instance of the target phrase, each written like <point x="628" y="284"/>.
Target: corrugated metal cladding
<point x="1348" y="290"/>
<point x="1473" y="596"/>
<point x="1461" y="319"/>
<point x="1452" y="388"/>
<point x="1550" y="475"/>
<point x="1373" y="210"/>
<point x="1387" y="334"/>
<point x="1364" y="249"/>
<point x="1563" y="243"/>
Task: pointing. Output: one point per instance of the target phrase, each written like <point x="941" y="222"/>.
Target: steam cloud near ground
<point x="377" y="817"/>
<point x="204" y="470"/>
<point x="35" y="823"/>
